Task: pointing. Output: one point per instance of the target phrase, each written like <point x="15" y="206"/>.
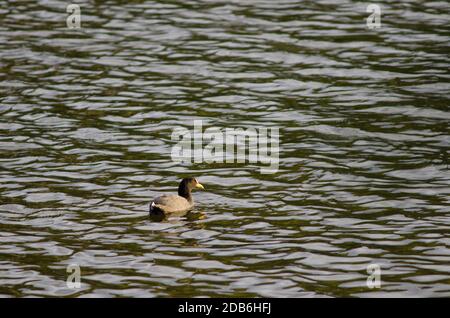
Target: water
<point x="86" y="117"/>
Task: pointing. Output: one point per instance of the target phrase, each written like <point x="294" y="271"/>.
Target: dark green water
<point x="86" y="117"/>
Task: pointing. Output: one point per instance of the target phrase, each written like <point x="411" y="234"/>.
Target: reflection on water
<point x="86" y="117"/>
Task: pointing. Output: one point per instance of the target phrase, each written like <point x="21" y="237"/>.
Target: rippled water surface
<point x="86" y="117"/>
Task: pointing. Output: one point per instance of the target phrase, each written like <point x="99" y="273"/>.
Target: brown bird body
<point x="173" y="203"/>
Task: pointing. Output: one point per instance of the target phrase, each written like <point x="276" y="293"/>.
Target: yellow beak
<point x="199" y="186"/>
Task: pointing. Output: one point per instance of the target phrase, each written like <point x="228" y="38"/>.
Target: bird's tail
<point x="154" y="209"/>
